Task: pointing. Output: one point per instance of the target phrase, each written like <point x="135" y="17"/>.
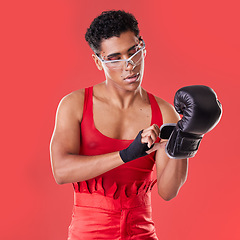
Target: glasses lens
<point x="138" y="57"/>
<point x="114" y="64"/>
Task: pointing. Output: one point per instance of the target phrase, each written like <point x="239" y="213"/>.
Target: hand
<point x="149" y="136"/>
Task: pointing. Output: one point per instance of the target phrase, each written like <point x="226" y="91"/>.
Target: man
<point x="106" y="139"/>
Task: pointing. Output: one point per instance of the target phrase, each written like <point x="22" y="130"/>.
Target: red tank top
<point x="130" y="176"/>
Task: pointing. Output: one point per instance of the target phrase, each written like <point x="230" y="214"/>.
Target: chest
<point x="121" y="123"/>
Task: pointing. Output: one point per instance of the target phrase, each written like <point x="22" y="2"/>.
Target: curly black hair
<point x="110" y="24"/>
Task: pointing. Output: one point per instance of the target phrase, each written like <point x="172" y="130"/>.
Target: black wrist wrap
<point x="135" y="150"/>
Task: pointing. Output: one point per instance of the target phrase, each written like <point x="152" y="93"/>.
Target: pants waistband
<point x="100" y="201"/>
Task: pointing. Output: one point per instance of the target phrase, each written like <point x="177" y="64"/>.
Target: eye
<point x="113" y="58"/>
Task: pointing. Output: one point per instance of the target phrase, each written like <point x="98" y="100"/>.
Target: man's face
<point x="128" y="77"/>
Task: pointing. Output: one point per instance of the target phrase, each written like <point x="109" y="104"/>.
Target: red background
<point x="44" y="56"/>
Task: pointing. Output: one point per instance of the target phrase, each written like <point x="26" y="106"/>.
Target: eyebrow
<point x="116" y="54"/>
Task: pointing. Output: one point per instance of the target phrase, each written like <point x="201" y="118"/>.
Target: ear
<point x="144" y="53"/>
<point x="97" y="62"/>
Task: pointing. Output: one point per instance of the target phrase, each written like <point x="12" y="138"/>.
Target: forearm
<point x="171" y="173"/>
<point x="76" y="168"/>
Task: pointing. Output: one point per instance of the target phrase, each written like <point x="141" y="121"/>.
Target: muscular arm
<point x="67" y="165"/>
<point x="171" y="173"/>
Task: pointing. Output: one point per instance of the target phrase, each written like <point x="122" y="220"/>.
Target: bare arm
<point x="171" y="173"/>
<point x="67" y="165"/>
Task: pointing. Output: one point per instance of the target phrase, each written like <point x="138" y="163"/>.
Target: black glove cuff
<point x="135" y="150"/>
<point x="182" y="145"/>
<point x="166" y="130"/>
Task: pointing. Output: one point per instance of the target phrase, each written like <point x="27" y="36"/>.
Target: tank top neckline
<point x="90" y="101"/>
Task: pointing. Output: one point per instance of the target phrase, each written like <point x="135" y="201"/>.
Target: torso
<point x="108" y="138"/>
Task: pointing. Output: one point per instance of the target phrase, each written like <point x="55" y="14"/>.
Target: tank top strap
<point x="156" y="112"/>
<point x="88" y="103"/>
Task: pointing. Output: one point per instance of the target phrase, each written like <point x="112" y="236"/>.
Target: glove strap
<point x="182" y="145"/>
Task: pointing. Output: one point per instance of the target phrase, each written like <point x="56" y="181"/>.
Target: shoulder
<point x="72" y="104"/>
<point x="74" y="96"/>
<point x="169" y="113"/>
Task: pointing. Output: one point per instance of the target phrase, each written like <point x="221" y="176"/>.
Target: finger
<point x="156" y="147"/>
<point x="154" y="127"/>
<point x="157" y="129"/>
<point x="148" y="140"/>
<point x="150" y="132"/>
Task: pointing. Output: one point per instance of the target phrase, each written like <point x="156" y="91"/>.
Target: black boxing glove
<point x="201" y="112"/>
<point x="135" y="150"/>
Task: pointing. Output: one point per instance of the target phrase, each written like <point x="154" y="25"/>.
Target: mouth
<point x="132" y="78"/>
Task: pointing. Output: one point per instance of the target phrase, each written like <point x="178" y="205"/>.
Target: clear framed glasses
<point x="134" y="60"/>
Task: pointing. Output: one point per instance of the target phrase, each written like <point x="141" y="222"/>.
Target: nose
<point x="130" y="65"/>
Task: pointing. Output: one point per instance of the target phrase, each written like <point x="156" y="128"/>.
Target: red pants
<point x="96" y="216"/>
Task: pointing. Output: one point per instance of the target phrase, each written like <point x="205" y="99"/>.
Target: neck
<point x="120" y="97"/>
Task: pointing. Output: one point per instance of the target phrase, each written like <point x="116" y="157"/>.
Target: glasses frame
<point x="127" y="61"/>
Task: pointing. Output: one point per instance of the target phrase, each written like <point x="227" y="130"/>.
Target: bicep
<point x="169" y="115"/>
<point x="66" y="134"/>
